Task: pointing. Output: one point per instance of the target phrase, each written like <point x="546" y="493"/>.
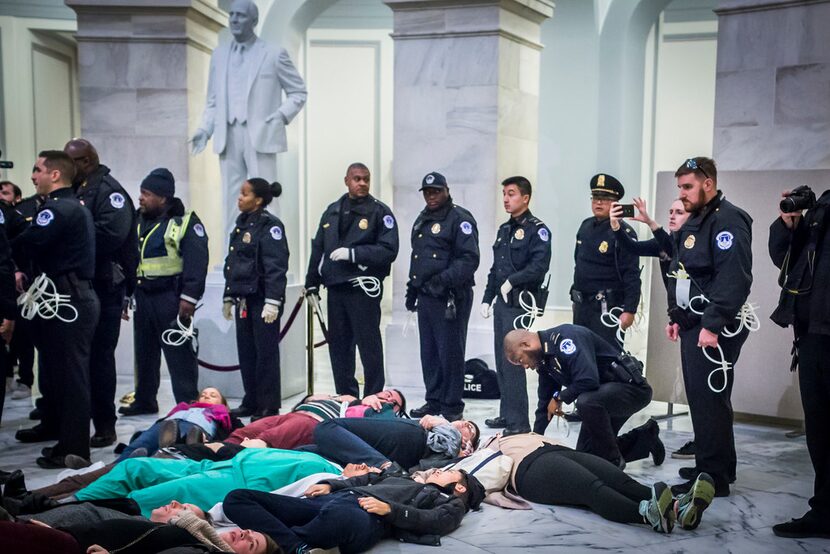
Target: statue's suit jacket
<point x="270" y="73"/>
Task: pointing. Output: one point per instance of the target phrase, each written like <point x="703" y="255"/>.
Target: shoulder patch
<point x="2" y="218"/>
<point x="388" y="221"/>
<point x="276" y="232"/>
<point x="544" y="235"/>
<point x="567" y="347"/>
<point x="466" y="227"/>
<point x="117" y="200"/>
<point x="199" y="229"/>
<point x="45" y="217"/>
<point x="724" y="240"/>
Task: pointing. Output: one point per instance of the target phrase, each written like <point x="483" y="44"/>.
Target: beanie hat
<point x="161" y="182"/>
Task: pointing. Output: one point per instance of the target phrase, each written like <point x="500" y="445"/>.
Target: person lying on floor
<point x="185" y="532"/>
<point x="152" y="482"/>
<point x="424" y="443"/>
<point x="546" y="472"/>
<point x="205" y="419"/>
<point x="296" y="428"/>
<point x="355" y="514"/>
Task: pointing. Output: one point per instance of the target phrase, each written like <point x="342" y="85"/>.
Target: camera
<point x="800" y="198"/>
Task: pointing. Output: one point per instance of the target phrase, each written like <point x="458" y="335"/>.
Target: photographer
<point x="799" y="246"/>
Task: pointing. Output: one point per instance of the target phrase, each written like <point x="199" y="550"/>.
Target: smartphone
<point x="627" y="210"/>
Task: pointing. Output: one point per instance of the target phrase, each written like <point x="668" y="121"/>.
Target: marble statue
<point x="245" y="112"/>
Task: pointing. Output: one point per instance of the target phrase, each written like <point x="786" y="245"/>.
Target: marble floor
<point x="774" y="482"/>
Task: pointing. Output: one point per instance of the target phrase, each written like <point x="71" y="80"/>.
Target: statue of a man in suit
<point x="245" y="112"/>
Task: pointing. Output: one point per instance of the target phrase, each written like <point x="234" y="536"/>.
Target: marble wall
<point x="772" y="106"/>
<point x="466" y="105"/>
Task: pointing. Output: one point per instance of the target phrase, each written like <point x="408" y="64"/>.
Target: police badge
<point x="436" y="228"/>
<point x="603" y="247"/>
<point x="689" y="242"/>
<point x="363" y="224"/>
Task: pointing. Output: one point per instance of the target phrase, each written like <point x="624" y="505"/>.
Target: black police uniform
<point x="606" y="276"/>
<point x="157" y="306"/>
<point x="8" y="295"/>
<point x="715" y="248"/>
<point x="368" y="229"/>
<point x="521" y="254"/>
<point x="255" y="269"/>
<point x="113" y="214"/>
<point x="580" y="360"/>
<point x="803" y="255"/>
<point x="442" y="267"/>
<point x="14" y="223"/>
<point x="61" y="244"/>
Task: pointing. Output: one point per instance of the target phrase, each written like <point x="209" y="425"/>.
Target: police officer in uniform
<point x="61" y="243"/>
<point x="712" y="257"/>
<point x="607" y="384"/>
<point x="606" y="276"/>
<point x="351" y="254"/>
<point x="8" y="296"/>
<point x="444" y="259"/>
<point x="255" y="282"/>
<point x="521" y="258"/>
<point x="173" y="262"/>
<point x="113" y="214"/>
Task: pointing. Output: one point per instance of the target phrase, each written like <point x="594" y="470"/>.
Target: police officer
<point x="61" y="243"/>
<point x="351" y="254"/>
<point x="606" y="276"/>
<point x="444" y="259"/>
<point x="8" y="297"/>
<point x="521" y="258"/>
<point x="116" y="255"/>
<point x="13" y="223"/>
<point x="713" y="258"/>
<point x="800" y="246"/>
<point x="255" y="282"/>
<point x="171" y="280"/>
<point x="607" y="384"/>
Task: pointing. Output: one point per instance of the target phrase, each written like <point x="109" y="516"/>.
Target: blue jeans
<point x="149" y="439"/>
<point x="333" y="520"/>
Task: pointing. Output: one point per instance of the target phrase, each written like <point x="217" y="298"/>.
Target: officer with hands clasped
<point x="61" y="244"/>
<point x="116" y="256"/>
<point x="606" y="277"/>
<point x="710" y="277"/>
<point x="255" y="280"/>
<point x="606" y="383"/>
<point x="173" y="263"/>
<point x="351" y="254"/>
<point x="799" y="244"/>
<point x="521" y="258"/>
<point x="442" y="266"/>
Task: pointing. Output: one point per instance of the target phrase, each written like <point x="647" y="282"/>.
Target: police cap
<point x="607" y="186"/>
<point x="433" y="180"/>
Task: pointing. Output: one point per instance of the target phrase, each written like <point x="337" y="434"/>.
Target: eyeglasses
<point x="601" y="200"/>
<point x="692" y="164"/>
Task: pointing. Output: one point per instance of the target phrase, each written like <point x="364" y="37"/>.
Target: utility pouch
<point x="628" y="369"/>
<point x="576" y="296"/>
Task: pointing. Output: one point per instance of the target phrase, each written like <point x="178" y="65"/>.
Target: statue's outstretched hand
<point x="198" y="141"/>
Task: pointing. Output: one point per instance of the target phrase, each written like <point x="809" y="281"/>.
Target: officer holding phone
<point x="606" y="277"/>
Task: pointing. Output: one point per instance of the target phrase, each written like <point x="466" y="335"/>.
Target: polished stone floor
<point x="774" y="482"/>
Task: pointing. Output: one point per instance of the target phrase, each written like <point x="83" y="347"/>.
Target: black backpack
<point x="480" y="381"/>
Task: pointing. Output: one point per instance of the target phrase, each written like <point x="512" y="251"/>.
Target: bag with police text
<point x="480" y="381"/>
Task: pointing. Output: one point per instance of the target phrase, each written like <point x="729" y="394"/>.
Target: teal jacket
<point x="154" y="482"/>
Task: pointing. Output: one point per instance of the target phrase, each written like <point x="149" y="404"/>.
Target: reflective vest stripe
<point x="171" y="263"/>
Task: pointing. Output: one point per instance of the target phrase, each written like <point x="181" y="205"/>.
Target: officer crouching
<point x="61" y="244"/>
<point x="606" y="383"/>
<point x="173" y="262"/>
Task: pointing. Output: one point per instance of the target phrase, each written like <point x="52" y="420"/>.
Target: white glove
<point x="227" y="309"/>
<point x="505" y="290"/>
<point x="270" y="312"/>
<point x="486" y="310"/>
<point x="340" y="254"/>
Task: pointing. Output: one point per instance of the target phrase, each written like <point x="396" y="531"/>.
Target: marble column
<point x="772" y="105"/>
<point x="143" y="69"/>
<point x="467" y="106"/>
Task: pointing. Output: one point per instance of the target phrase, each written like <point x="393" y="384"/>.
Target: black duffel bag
<point x="480" y="381"/>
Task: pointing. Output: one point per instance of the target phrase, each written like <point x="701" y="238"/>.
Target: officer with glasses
<point x="710" y="277"/>
<point x="606" y="286"/>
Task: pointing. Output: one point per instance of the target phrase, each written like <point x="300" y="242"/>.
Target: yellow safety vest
<point x="171" y="263"/>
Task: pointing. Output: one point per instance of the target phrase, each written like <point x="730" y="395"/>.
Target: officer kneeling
<point x="607" y="383"/>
